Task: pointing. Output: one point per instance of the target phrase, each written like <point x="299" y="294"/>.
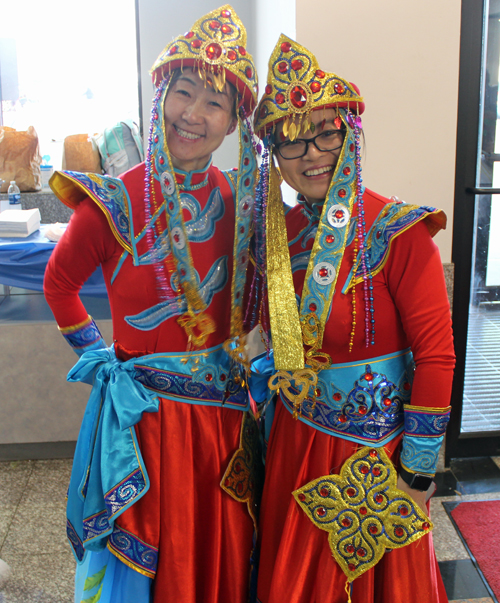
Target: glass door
<point x="475" y="424"/>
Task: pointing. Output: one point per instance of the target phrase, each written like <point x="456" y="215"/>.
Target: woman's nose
<point x="193" y="113"/>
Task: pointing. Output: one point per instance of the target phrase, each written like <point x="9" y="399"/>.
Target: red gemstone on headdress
<point x="298" y="97"/>
<point x="247" y="182"/>
<point x="403" y="511"/>
<point x="214" y="25"/>
<point x="406" y="386"/>
<point x="324" y="492"/>
<point x="351" y="567"/>
<point x="213" y="51"/>
<point x="337" y="397"/>
<point x="263" y="111"/>
<point x="225" y="13"/>
<point x="189" y="34"/>
<point x="342" y="193"/>
<point x="282" y="67"/>
<point x="399" y="532"/>
<point x="156" y="138"/>
<point x="362" y="410"/>
<point x="242" y="229"/>
<point x="319" y="73"/>
<point x="373" y="529"/>
<point x="426" y="526"/>
<point x="112" y="187"/>
<point x="317" y="392"/>
<point x="379" y="234"/>
<point x="350" y="492"/>
<point x="242" y="50"/>
<point x="342" y="418"/>
<point x="387" y="401"/>
<point x="361" y="553"/>
<point x="373" y="454"/>
<point x="231" y="55"/>
<point x="368" y="377"/>
<point x="177" y="237"/>
<point x="351" y="147"/>
<point x="196" y="43"/>
<point x="346" y="171"/>
<point x="364" y="469"/>
<point x="349" y="549"/>
<point x="223" y="377"/>
<point x="321" y="512"/>
<point x="379" y="498"/>
<point x="313" y="307"/>
<point x="337" y="122"/>
<point x="171" y="206"/>
<point x="346" y="522"/>
<point x="330" y="239"/>
<point x="246" y="161"/>
<point x="269" y="89"/>
<point x="208" y="377"/>
<point x="376" y="471"/>
<point x="280" y="98"/>
<point x="162" y="161"/>
<point x="339" y="89"/>
<point x="339" y="214"/>
<point x="315" y="86"/>
<point x="297" y="64"/>
<point x="226" y="29"/>
<point x="248" y="72"/>
<point x="323" y="272"/>
<point x="173" y="50"/>
<point x="285" y="46"/>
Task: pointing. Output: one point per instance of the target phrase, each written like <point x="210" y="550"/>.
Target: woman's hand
<point x="417" y="495"/>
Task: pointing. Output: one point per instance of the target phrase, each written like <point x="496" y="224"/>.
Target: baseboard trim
<point x="37" y="451"/>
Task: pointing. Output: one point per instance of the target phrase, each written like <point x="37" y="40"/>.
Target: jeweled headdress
<point x="215" y="47"/>
<point x="296" y="86"/>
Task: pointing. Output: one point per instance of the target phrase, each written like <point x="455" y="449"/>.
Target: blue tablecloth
<point x="23" y="262"/>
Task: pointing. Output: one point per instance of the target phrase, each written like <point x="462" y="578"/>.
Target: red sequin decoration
<point x="347" y="171"/>
<point x="285" y="46"/>
<point x="403" y="511"/>
<point x="337" y="122"/>
<point x="319" y="73"/>
<point x="323" y="272"/>
<point x="226" y="29"/>
<point x="242" y="229"/>
<point x="237" y="467"/>
<point x="247" y="182"/>
<point x="339" y="89"/>
<point x="321" y="512"/>
<point x="407" y="386"/>
<point x="361" y="553"/>
<point x="239" y="487"/>
<point x="399" y="532"/>
<point x="171" y="206"/>
<point x="324" y="492"/>
<point x="346" y="522"/>
<point x="173" y="50"/>
<point x="364" y="469"/>
<point x="362" y="410"/>
<point x="189" y="35"/>
<point x="225" y="13"/>
<point x="317" y="392"/>
<point x="242" y="50"/>
<point x="196" y="43"/>
<point x="342" y="418"/>
<point x="337" y="397"/>
<point x="368" y="377"/>
<point x="282" y="67"/>
<point x="280" y="98"/>
<point x="156" y="138"/>
<point x="214" y="25"/>
<point x="223" y="377"/>
<point x="379" y="498"/>
<point x="297" y="64"/>
<point x="349" y="549"/>
<point x="269" y="89"/>
<point x="298" y="96"/>
<point x="373" y="454"/>
<point x="214" y="51"/>
<point x="312" y="307"/>
<point x="350" y="492"/>
<point x="302" y="497"/>
<point x="426" y="526"/>
<point x="342" y="193"/>
<point x="249" y="72"/>
<point x="352" y="567"/>
<point x="315" y="86"/>
<point x="351" y="147"/>
<point x="231" y="55"/>
<point x="376" y="471"/>
<point x="339" y="214"/>
<point x="246" y="161"/>
<point x="208" y="377"/>
<point x="162" y="161"/>
<point x="363" y="511"/>
<point x="373" y="529"/>
<point x="330" y="239"/>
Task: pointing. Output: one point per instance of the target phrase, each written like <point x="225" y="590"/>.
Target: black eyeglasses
<point x="329" y="140"/>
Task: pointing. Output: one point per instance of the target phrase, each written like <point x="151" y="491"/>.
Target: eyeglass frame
<point x="313" y="141"/>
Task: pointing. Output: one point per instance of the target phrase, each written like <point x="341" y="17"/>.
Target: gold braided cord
<point x="283" y="312"/>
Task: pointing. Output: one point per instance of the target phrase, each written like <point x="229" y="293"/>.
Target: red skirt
<point x="296" y="563"/>
<point x="204" y="536"/>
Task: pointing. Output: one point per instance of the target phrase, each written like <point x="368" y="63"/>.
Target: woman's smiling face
<point x="311" y="174"/>
<point x="197" y="119"/>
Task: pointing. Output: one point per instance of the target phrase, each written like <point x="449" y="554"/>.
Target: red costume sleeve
<point x="415" y="280"/>
<point x="87" y="242"/>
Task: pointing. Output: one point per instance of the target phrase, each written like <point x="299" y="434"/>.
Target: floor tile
<point x="7" y="513"/>
<point x="447" y="542"/>
<point x="476" y="475"/>
<point x="48" y="482"/>
<point x="47" y="578"/>
<point x="14" y="476"/>
<point x="462" y="580"/>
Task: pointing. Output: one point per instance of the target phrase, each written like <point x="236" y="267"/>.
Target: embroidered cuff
<point x="84" y="336"/>
<point x="423" y="436"/>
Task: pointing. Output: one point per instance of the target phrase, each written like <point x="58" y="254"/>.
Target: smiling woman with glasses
<point x="328" y="140"/>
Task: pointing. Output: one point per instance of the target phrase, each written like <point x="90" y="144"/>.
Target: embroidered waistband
<point x="362" y="401"/>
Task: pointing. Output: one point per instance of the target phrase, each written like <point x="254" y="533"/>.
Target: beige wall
<point x="404" y="56"/>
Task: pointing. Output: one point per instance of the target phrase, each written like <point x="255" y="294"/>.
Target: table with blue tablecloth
<point x="23" y="262"/>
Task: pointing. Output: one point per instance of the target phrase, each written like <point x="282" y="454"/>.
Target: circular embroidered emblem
<point x="167" y="183"/>
<point x="178" y="238"/>
<point x="246" y="205"/>
<point x="338" y="216"/>
<point x="324" y="273"/>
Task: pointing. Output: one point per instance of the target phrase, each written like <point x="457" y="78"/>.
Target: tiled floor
<point x="33" y="543"/>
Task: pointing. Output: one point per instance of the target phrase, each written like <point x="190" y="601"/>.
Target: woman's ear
<point x="232" y="126"/>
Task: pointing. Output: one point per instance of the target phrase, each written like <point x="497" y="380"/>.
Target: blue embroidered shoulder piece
<point x="394" y="219"/>
<point x="84" y="336"/>
<point x="423" y="436"/>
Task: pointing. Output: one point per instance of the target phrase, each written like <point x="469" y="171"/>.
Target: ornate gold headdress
<point x="296" y="86"/>
<point x="216" y="46"/>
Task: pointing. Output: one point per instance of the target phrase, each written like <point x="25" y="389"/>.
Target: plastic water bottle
<point x="14" y="194"/>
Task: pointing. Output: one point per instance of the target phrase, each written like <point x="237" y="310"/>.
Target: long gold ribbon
<point x="283" y="311"/>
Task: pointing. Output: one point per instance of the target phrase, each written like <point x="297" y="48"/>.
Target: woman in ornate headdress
<point x="356" y="310"/>
<point x="162" y="485"/>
